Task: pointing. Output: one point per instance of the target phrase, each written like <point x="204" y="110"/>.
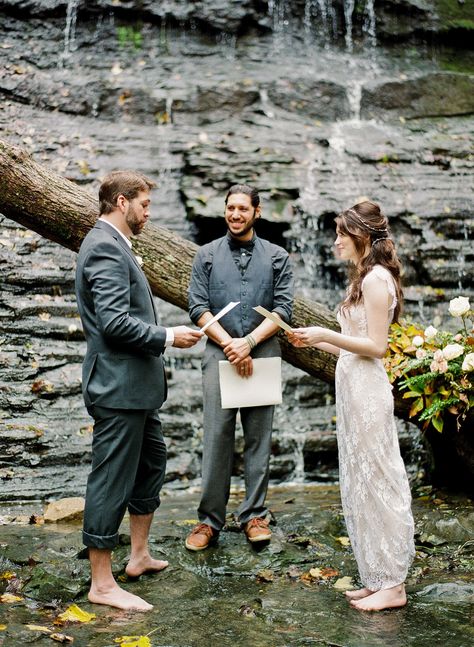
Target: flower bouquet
<point x="435" y="368"/>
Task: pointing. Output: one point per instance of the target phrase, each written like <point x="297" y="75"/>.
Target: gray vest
<point x="254" y="288"/>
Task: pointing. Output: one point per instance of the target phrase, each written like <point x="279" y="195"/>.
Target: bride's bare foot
<point x="384" y="599"/>
<point x="144" y="564"/>
<point x="359" y="594"/>
<point x="118" y="598"/>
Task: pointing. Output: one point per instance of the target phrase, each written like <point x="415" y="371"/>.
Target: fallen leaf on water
<point x="344" y="541"/>
<point x="62" y="638"/>
<point x="265" y="575"/>
<point x="8" y="597"/>
<point x="7" y="575"/>
<point x="315" y="573"/>
<point x="344" y="583"/>
<point x="187" y="522"/>
<point x="133" y="641"/>
<point x="38" y="628"/>
<point x="44" y="316"/>
<point x="3" y="627"/>
<point x="76" y="614"/>
<point x="328" y="572"/>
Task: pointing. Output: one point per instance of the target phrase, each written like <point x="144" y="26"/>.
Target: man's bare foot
<point x="359" y="594"/>
<point x="384" y="599"/>
<point x="144" y="564"/>
<point x="118" y="598"/>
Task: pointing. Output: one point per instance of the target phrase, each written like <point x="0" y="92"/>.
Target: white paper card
<point x="220" y="314"/>
<point x="263" y="387"/>
<point x="276" y="320"/>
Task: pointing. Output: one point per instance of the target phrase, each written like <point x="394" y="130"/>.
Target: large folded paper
<point x="263" y="387"/>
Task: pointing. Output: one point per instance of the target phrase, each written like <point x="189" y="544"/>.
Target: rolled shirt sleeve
<point x="283" y="284"/>
<point x="198" y="293"/>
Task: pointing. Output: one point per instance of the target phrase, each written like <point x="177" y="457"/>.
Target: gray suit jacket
<point x="123" y="366"/>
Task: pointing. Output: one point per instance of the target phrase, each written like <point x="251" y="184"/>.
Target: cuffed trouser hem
<point x="244" y="519"/>
<point x="213" y="524"/>
<point x="144" y="506"/>
<point x="107" y="542"/>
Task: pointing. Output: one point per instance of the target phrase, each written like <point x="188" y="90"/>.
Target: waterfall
<point x="354" y="94"/>
<point x="320" y="21"/>
<point x="369" y="26"/>
<point x="266" y="107"/>
<point x="70" y="29"/>
<point x="348" y="11"/>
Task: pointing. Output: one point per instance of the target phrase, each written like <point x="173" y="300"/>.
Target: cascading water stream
<point x="69" y="30"/>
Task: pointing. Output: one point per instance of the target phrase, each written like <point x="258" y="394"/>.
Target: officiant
<point x="239" y="267"/>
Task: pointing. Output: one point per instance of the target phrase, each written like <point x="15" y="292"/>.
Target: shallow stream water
<point x="234" y="594"/>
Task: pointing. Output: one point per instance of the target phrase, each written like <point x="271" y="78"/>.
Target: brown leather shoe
<point x="257" y="529"/>
<point x="201" y="537"/>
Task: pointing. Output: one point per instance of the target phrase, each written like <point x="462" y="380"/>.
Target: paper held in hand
<point x="276" y="320"/>
<point x="220" y="314"/>
<point x="263" y="387"/>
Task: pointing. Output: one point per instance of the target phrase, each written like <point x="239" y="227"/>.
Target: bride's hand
<point x="304" y="337"/>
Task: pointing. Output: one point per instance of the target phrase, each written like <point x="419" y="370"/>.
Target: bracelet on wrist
<point x="250" y="341"/>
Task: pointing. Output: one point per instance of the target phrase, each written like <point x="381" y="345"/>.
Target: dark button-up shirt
<point x="254" y="273"/>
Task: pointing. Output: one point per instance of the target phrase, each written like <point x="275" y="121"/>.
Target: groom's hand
<point x="185" y="337"/>
<point x="245" y="367"/>
<point x="236" y="350"/>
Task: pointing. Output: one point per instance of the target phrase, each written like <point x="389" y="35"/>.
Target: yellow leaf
<point x="343" y="583"/>
<point x="8" y="597"/>
<point x="3" y="627"/>
<point x="416" y="407"/>
<point x="38" y="628"/>
<point x="187" y="522"/>
<point x="133" y="641"/>
<point x="344" y="541"/>
<point x="7" y="575"/>
<point x="75" y="614"/>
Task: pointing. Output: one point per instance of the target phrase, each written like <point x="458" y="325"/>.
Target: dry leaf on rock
<point x="7" y="598"/>
<point x="344" y="583"/>
<point x="344" y="541"/>
<point x="62" y="638"/>
<point x="265" y="575"/>
<point x="38" y="628"/>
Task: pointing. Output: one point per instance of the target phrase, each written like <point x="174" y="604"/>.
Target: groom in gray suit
<point x="123" y="384"/>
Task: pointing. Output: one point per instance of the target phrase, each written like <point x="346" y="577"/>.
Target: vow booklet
<point x="263" y="387"/>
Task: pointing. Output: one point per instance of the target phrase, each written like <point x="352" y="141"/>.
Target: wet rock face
<point x="198" y="96"/>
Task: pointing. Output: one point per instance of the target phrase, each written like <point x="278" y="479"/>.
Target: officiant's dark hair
<point x="246" y="190"/>
<point x="370" y="232"/>
<point x="126" y="183"/>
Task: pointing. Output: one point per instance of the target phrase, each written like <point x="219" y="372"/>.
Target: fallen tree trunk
<point x="62" y="211"/>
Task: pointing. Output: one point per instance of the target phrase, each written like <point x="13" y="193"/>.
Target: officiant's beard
<point x="248" y="226"/>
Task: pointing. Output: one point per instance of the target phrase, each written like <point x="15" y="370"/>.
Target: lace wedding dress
<point x="374" y="487"/>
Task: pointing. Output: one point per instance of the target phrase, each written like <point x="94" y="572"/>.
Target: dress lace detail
<point x="375" y="492"/>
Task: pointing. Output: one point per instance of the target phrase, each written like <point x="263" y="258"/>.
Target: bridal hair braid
<point x="369" y="229"/>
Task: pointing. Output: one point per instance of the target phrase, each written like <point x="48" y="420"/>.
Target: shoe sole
<point x="195" y="548"/>
<point x="198" y="548"/>
<point x="259" y="538"/>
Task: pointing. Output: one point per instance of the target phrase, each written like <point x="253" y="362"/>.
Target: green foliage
<point x="434" y="368"/>
<point x="129" y="36"/>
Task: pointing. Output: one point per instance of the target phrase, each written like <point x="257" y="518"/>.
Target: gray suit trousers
<point x="219" y="440"/>
<point x="128" y="470"/>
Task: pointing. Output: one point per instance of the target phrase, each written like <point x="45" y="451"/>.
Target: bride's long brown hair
<point x="366" y="225"/>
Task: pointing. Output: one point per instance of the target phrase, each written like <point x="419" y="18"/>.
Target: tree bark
<point x="62" y="211"/>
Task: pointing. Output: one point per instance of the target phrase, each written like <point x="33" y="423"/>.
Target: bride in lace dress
<point x="374" y="487"/>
